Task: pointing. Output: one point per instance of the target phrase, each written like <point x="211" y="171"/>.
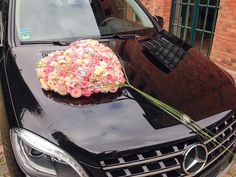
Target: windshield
<point x="70" y="19"/>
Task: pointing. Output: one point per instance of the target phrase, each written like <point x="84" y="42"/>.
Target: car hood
<point x="122" y="120"/>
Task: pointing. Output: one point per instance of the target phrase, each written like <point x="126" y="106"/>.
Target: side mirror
<point x="159" y="20"/>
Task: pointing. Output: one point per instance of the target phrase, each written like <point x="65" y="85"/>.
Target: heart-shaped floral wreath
<point x="85" y="68"/>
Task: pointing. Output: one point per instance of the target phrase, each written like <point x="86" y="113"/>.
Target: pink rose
<point x="76" y="92"/>
<point x="86" y="92"/>
<point x="84" y="84"/>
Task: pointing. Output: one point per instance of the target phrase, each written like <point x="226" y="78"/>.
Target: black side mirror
<point x="159" y="20"/>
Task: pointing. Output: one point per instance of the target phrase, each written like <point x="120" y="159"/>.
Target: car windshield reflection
<point x="66" y="19"/>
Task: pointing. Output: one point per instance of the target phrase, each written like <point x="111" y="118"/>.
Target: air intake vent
<point x="161" y="51"/>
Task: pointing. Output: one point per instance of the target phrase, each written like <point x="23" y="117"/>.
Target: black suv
<point x="115" y="134"/>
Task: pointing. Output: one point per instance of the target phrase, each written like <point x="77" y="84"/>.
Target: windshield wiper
<point x="120" y="36"/>
<point x="59" y="43"/>
<point x="62" y="43"/>
<point x="66" y="43"/>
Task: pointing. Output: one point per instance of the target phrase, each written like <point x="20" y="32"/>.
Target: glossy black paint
<point x="88" y="128"/>
<point x="109" y="122"/>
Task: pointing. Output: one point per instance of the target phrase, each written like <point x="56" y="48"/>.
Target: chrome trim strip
<point x="134" y="163"/>
<point x="209" y="163"/>
<point x="227" y="138"/>
<point x="217" y="135"/>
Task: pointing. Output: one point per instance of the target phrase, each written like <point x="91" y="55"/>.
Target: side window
<point x="125" y="11"/>
<point x="1" y="23"/>
<point x="131" y="11"/>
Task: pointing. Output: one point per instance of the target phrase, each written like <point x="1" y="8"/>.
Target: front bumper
<point x="165" y="160"/>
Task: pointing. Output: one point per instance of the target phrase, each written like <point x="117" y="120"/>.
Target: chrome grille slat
<point x="121" y="165"/>
<point x="164" y="170"/>
<point x="219" y="145"/>
<point x="127" y="172"/>
<point x="157" y="172"/>
<point x="209" y="163"/>
<point x="217" y="135"/>
<point x="108" y="174"/>
<point x="168" y="163"/>
<point x="162" y="165"/>
<point x="145" y="169"/>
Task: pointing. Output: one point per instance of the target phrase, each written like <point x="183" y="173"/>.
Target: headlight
<point x="38" y="157"/>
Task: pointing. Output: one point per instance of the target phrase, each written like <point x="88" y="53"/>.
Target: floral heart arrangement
<point x="89" y="67"/>
<point x="86" y="67"/>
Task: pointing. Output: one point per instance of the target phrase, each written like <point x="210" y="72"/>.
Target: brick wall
<point x="160" y="8"/>
<point x="224" y="43"/>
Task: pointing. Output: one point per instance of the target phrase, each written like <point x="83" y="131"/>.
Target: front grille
<point x="166" y="161"/>
<point x="225" y="135"/>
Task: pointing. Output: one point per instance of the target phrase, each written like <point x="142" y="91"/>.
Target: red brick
<point x="224" y="44"/>
<point x="159" y="7"/>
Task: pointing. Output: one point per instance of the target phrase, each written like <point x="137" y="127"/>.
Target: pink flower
<point x="76" y="92"/>
<point x="84" y="84"/>
<point x="113" y="89"/>
<point x="62" y="89"/>
<point x="86" y="92"/>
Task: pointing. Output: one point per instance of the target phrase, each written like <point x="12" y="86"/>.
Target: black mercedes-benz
<point x="110" y="134"/>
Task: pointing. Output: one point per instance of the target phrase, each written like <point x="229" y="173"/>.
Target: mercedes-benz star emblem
<point x="195" y="159"/>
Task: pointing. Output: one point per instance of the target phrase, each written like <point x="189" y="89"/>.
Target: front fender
<point x="10" y="165"/>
